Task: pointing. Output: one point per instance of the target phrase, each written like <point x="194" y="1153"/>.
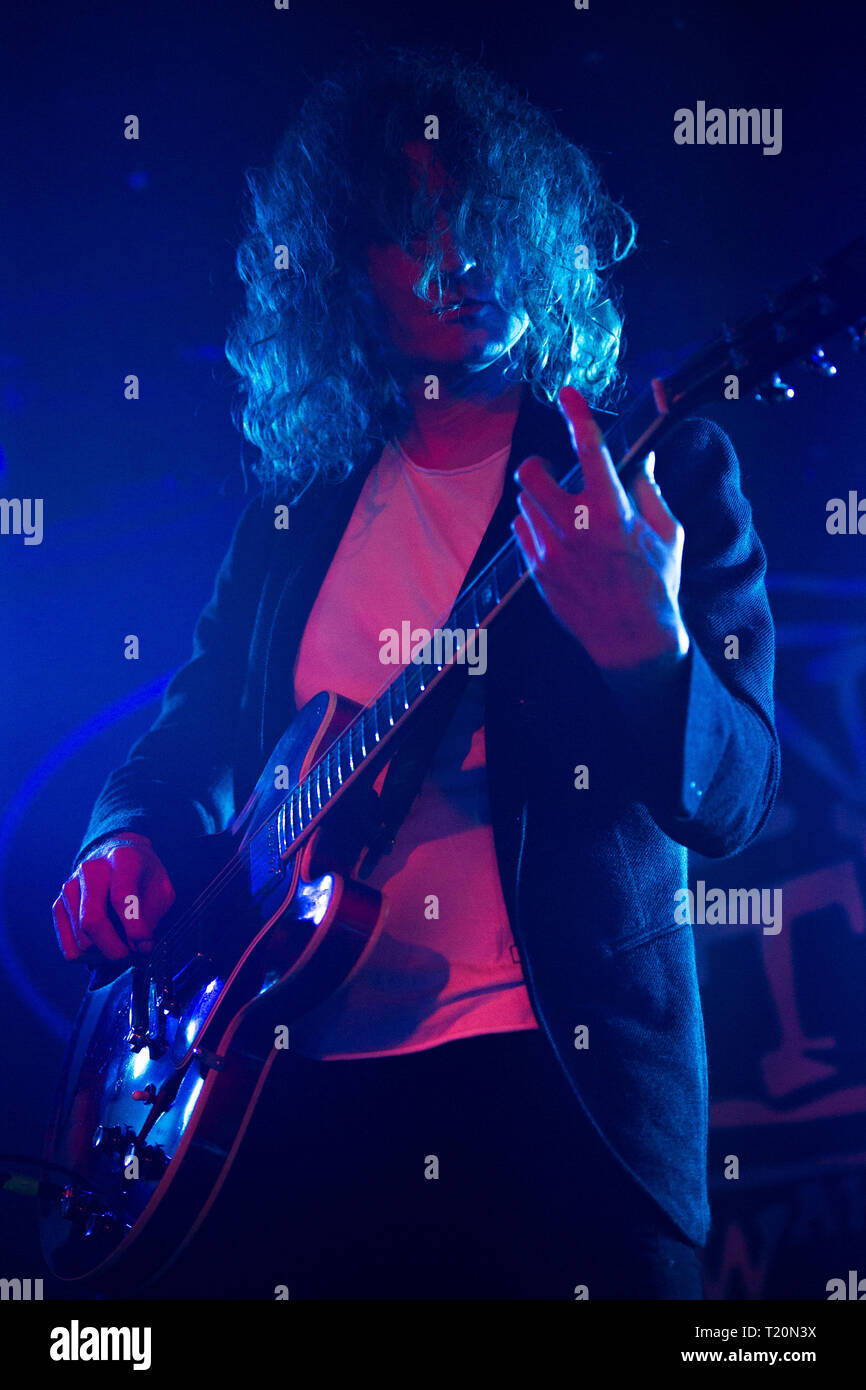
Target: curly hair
<point x="319" y="378"/>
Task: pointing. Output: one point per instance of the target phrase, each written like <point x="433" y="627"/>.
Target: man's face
<point x="472" y="328"/>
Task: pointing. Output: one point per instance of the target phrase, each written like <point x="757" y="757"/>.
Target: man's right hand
<point x="114" y="900"/>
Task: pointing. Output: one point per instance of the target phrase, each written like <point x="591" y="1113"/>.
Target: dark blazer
<point x="589" y="876"/>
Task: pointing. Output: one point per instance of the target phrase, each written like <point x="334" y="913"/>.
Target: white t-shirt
<point x="446" y="965"/>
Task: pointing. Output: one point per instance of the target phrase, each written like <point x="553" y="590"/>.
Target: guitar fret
<point x="616" y="439"/>
<point x="309" y="801"/>
<point x="485" y="593"/>
<point x="496" y="590"/>
<point x="376" y="733"/>
<point x="474" y="594"/>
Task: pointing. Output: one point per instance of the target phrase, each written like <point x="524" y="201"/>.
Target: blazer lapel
<point x="539" y="429"/>
<point x="317" y="520"/>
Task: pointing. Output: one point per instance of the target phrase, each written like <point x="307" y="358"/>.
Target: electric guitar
<point x="170" y="1052"/>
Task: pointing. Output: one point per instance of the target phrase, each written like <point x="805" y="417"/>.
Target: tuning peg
<point x="736" y="357"/>
<point x="817" y="362"/>
<point x="775" y="391"/>
<point x="857" y="334"/>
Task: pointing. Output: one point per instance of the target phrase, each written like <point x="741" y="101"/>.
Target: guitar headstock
<point x="792" y="327"/>
<point x="747" y="358"/>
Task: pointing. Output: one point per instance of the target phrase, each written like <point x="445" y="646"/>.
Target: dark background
<point x="117" y="257"/>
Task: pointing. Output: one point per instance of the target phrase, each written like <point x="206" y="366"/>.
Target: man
<point x="509" y="1100"/>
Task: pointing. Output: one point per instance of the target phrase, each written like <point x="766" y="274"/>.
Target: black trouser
<point x="462" y="1172"/>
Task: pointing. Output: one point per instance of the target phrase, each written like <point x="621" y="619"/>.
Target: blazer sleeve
<point x="177" y="781"/>
<point x="706" y="740"/>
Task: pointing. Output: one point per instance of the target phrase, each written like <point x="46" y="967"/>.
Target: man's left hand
<point x="614" y="583"/>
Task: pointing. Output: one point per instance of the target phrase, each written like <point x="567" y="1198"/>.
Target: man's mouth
<point x="457" y="308"/>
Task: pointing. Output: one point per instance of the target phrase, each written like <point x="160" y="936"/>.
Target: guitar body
<point x="165" y="1065"/>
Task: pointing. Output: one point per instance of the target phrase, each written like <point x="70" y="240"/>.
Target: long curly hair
<point x="319" y="379"/>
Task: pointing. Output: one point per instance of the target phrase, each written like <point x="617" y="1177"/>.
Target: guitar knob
<point x="152" y="1162"/>
<point x="775" y="391"/>
<point x="73" y="1203"/>
<point x="103" y="1223"/>
<point x="85" y="1210"/>
<point x="111" y="1138"/>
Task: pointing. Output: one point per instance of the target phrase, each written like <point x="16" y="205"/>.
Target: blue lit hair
<point x="319" y="379"/>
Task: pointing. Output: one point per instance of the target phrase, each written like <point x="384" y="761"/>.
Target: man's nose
<point x="456" y="262"/>
<point x="455" y="259"/>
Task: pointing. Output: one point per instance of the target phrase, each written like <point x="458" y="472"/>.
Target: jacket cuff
<point x="705" y="736"/>
<point x="678" y="725"/>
